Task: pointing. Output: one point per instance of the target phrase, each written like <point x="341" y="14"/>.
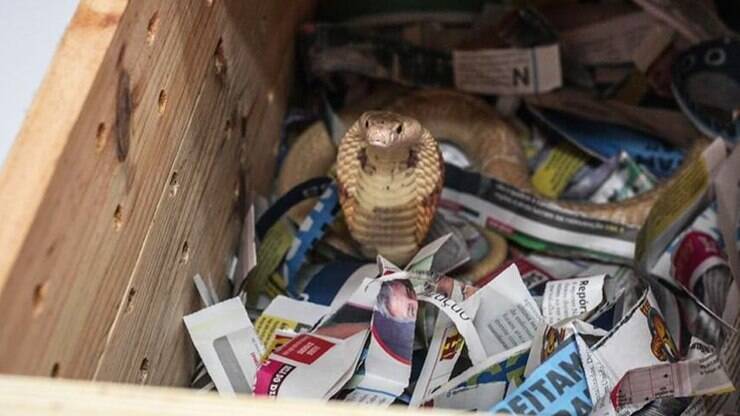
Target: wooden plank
<point x="69" y="279"/>
<point x="29" y="167"/>
<point x="44" y="397"/>
<point x="196" y="227"/>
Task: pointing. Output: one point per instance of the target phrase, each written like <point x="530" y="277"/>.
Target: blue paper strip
<point x="311" y="230"/>
<point x="557" y="386"/>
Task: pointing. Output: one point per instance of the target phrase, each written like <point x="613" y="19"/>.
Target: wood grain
<point x="31" y="163"/>
<point x="100" y="260"/>
<point x="44" y="397"/>
<point x="196" y="229"/>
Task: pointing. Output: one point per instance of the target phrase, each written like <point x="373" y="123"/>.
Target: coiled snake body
<point x="390" y="189"/>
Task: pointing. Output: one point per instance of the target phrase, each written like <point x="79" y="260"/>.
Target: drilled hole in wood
<point x="227" y="129"/>
<point x="143" y="371"/>
<point x="162" y="101"/>
<point x="130" y="300"/>
<point x="174" y="184"/>
<point x="54" y="373"/>
<point x="118" y="218"/>
<point x="100" y="137"/>
<point x="39" y="296"/>
<point x="243" y="128"/>
<point x="184" y="253"/>
<point x="152" y="28"/>
<point x="219" y="58"/>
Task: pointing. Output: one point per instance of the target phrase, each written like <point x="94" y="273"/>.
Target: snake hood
<point x="390" y="174"/>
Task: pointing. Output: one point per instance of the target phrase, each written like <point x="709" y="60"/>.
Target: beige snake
<point x="484" y="136"/>
<point x="390" y="175"/>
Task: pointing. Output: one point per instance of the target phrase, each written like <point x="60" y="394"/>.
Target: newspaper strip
<point x="388" y="361"/>
<point x="228" y="344"/>
<point x="508" y="316"/>
<point x="310" y="188"/>
<point x="705" y="222"/>
<point x="605" y="140"/>
<point x="587" y="180"/>
<point x="455" y="252"/>
<point x="247" y="251"/>
<point x="726" y="185"/>
<point x="312" y="229"/>
<point x="666" y="124"/>
<point x="484" y="384"/>
<point x="338" y="48"/>
<point x="491" y="203"/>
<point x="270" y="253"/>
<point x="463" y="322"/>
<point x="327" y="279"/>
<point x="696" y="254"/>
<point x="544" y="344"/>
<point x="284" y="313"/>
<point x="508" y="71"/>
<point x="424" y="258"/>
<point x="730" y="350"/>
<point x="558" y="385"/>
<point x="208" y="295"/>
<point x="730" y="356"/>
<point x="442" y="355"/>
<point x="640" y="339"/>
<point x="473" y="397"/>
<point x="600" y="379"/>
<point x="558" y="168"/>
<point x="549" y="338"/>
<point x="699" y="376"/>
<point x="310" y="366"/>
<point x="610" y="41"/>
<point x="627" y="181"/>
<point x="534" y="276"/>
<point x="452" y="330"/>
<point x="318" y="364"/>
<point x="677" y="205"/>
<point x="351" y="285"/>
<point x="569" y="299"/>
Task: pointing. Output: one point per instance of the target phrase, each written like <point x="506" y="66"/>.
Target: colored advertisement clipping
<point x="558" y="386"/>
<point x="388" y="362"/>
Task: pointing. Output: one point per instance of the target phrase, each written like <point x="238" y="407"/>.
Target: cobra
<point x="487" y="139"/>
<point x="390" y="175"/>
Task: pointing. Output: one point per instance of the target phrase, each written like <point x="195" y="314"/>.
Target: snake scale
<point x="390" y="178"/>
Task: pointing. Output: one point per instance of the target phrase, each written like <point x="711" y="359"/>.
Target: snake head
<point x="387" y="130"/>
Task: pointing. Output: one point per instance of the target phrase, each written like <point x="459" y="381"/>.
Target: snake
<point x="489" y="140"/>
<point x="390" y="174"/>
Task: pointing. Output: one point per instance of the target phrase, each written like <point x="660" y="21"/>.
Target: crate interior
<point x="144" y="184"/>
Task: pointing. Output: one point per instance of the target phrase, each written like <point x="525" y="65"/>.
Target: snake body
<point x="390" y="175"/>
<point x="490" y="142"/>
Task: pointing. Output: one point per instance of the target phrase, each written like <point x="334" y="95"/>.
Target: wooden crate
<point x="155" y="123"/>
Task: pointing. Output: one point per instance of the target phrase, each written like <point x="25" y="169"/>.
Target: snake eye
<point x="399" y="129"/>
<point x="367" y="123"/>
